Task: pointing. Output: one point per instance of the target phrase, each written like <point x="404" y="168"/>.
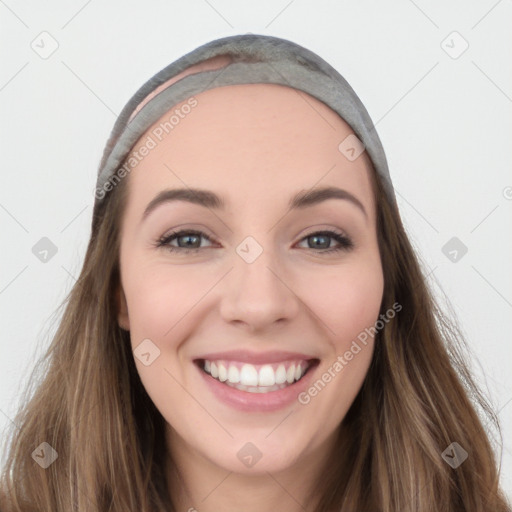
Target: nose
<point x="258" y="295"/>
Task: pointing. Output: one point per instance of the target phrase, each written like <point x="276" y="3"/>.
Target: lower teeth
<point x="257" y="389"/>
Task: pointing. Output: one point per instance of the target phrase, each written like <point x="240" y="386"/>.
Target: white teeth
<point x="223" y="373"/>
<point x="290" y="374"/>
<point x="248" y="378"/>
<point x="267" y="377"/>
<point x="281" y="374"/>
<point x="298" y="372"/>
<point x="248" y="375"/>
<point x="233" y="374"/>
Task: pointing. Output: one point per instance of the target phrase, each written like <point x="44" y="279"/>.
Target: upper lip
<point x="245" y="356"/>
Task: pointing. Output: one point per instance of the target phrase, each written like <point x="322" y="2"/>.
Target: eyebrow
<point x="211" y="200"/>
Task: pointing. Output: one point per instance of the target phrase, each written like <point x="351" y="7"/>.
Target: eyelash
<point x="346" y="243"/>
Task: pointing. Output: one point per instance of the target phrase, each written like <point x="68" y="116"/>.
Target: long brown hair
<point x="418" y="398"/>
<point x="92" y="409"/>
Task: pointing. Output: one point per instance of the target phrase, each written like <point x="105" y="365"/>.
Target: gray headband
<point x="255" y="59"/>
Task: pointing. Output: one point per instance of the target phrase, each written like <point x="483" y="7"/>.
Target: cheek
<point x="347" y="301"/>
<point x="161" y="301"/>
<point x="348" y="304"/>
<point x="159" y="297"/>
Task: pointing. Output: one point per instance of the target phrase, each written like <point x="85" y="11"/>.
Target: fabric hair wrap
<point x="251" y="59"/>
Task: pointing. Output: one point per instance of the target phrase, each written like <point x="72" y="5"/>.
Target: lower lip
<point x="257" y="402"/>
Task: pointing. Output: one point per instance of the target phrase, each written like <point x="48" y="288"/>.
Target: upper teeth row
<point x="248" y="374"/>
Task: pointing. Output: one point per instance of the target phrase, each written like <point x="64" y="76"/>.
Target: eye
<point x="189" y="241"/>
<point x="322" y="240"/>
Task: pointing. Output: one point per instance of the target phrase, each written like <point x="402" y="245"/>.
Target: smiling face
<point x="262" y="288"/>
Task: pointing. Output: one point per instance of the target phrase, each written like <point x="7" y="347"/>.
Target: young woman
<point x="251" y="329"/>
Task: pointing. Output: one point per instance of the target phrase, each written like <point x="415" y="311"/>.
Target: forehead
<point x="251" y="138"/>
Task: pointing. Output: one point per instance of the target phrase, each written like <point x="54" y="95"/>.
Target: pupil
<point x="188" y="237"/>
<point x="316" y="238"/>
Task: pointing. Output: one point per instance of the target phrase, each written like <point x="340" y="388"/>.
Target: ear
<point x="123" y="318"/>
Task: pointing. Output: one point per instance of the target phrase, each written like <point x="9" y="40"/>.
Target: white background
<point x="445" y="124"/>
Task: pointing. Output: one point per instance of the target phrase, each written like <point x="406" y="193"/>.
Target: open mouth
<point x="251" y="378"/>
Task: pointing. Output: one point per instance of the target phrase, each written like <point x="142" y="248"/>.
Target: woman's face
<point x="254" y="287"/>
